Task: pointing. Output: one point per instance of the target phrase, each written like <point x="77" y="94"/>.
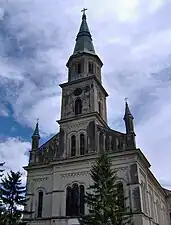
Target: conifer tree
<point x="1" y="170"/>
<point x="2" y="209"/>
<point x="104" y="199"/>
<point x="13" y="196"/>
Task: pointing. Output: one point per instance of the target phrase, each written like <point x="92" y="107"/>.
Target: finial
<point x="83" y="11"/>
<point x="37" y="120"/>
<point x="126" y="100"/>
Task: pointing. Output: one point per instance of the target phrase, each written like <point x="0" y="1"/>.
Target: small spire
<point x="84" y="41"/>
<point x="127" y="110"/>
<point x="36" y="131"/>
<point x="128" y="118"/>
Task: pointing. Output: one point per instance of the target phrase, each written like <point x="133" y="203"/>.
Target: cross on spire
<point x="83" y="11"/>
<point x="126" y="100"/>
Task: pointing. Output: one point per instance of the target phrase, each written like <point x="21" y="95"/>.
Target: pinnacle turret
<point x="127" y="112"/>
<point x="128" y="118"/>
<point x="129" y="125"/>
<point x="36" y="131"/>
<point x="35" y="137"/>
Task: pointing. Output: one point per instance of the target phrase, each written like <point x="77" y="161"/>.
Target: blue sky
<point x="133" y="39"/>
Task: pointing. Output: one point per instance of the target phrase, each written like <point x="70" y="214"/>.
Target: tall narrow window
<point x="75" y="200"/>
<point x="78" y="106"/>
<point x="68" y="201"/>
<point x="120" y="190"/>
<point x="90" y="67"/>
<point x="82" y="144"/>
<point x="40" y="204"/>
<point x="78" y="68"/>
<point x="100" y="108"/>
<point x="101" y="141"/>
<point x="73" y="145"/>
<point x="82" y="204"/>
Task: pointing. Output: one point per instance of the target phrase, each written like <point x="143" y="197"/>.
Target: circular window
<point x="77" y="91"/>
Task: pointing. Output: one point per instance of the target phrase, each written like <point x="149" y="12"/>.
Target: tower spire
<point x="36" y="131"/>
<point x="35" y="144"/>
<point x="128" y="118"/>
<point x="35" y="137"/>
<point x="84" y="41"/>
<point x="129" y="124"/>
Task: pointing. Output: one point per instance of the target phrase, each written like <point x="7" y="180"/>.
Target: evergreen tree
<point x="2" y="208"/>
<point x="1" y="170"/>
<point x="13" y="196"/>
<point x="104" y="198"/>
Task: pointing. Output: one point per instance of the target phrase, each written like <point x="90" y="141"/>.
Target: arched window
<point x="40" y="204"/>
<point x="82" y="144"/>
<point x="120" y="192"/>
<point x="78" y="106"/>
<point x="90" y="67"/>
<point x="100" y="108"/>
<point x="75" y="205"/>
<point x="73" y="145"/>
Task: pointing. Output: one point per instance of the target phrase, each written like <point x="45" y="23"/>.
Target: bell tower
<point x="83" y="96"/>
<point x="84" y="62"/>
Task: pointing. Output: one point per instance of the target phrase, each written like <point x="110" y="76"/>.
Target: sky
<point x="132" y="38"/>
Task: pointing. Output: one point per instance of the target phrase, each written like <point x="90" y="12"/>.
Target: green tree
<point x="13" y="196"/>
<point x="1" y="170"/>
<point x="104" y="199"/>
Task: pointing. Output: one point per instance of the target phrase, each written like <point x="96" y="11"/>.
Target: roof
<point x="84" y="40"/>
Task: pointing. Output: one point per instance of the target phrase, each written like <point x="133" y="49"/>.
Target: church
<point x="58" y="172"/>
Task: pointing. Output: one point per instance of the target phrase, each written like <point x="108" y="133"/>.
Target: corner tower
<point x="83" y="96"/>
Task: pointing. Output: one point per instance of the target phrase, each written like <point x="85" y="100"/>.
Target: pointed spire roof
<point x="84" y="41"/>
<point x="127" y="110"/>
<point x="36" y="131"/>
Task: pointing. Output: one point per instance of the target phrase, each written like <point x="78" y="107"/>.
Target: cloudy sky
<point x="133" y="39"/>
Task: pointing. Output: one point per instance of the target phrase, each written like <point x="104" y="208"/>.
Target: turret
<point x="84" y="62"/>
<point x="129" y="125"/>
<point x="35" y="144"/>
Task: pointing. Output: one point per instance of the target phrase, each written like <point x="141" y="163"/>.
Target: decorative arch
<point x="78" y="106"/>
<point x="75" y="205"/>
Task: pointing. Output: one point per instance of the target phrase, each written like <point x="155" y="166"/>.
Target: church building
<point x="58" y="172"/>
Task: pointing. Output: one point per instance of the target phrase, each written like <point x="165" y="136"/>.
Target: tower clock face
<point x="77" y="91"/>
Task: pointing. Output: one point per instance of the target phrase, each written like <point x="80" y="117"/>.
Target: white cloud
<point x="154" y="5"/>
<point x="127" y="10"/>
<point x="3" y="110"/>
<point x="13" y="153"/>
